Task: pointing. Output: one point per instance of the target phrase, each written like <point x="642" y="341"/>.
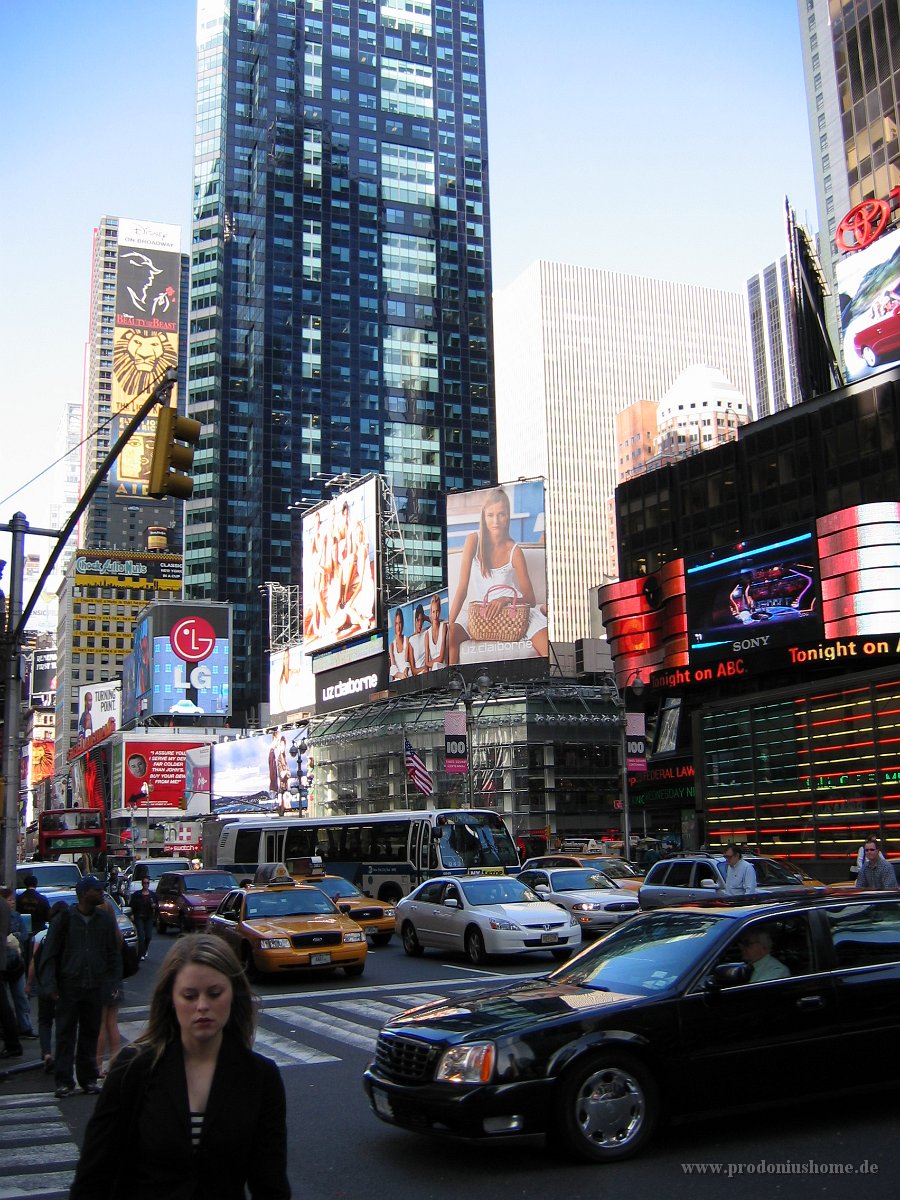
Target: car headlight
<point x="585" y="906"/>
<point x="473" y="1063"/>
<point x="355" y="937"/>
<point x="495" y="923"/>
<point x="390" y="912"/>
<point x="274" y="943"/>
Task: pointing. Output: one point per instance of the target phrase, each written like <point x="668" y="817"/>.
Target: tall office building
<point x="340" y="282"/>
<point x="773" y="347"/>
<point x="574" y="346"/>
<point x="851" y="60"/>
<point x="138" y="321"/>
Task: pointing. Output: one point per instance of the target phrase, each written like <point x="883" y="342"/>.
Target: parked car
<point x="589" y="895"/>
<point x="285" y="926"/>
<point x="692" y="878"/>
<point x="186" y="898"/>
<point x="152" y="869"/>
<point x="650" y="1020"/>
<point x="54" y="879"/>
<point x="480" y="915"/>
<point x="620" y="872"/>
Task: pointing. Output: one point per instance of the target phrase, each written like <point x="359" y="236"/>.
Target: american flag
<point x="416" y="769"/>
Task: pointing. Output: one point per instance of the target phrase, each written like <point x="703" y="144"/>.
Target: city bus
<point x="80" y="832"/>
<point x="385" y="854"/>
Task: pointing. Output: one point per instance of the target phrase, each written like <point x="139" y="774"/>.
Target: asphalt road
<point x="321" y="1032"/>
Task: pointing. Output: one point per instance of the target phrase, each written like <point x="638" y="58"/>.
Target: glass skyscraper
<point x="341" y="282"/>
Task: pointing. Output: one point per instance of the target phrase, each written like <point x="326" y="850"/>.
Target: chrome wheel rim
<point x="610" y="1108"/>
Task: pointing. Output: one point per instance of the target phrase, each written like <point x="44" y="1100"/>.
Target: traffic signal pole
<point x="17" y="619"/>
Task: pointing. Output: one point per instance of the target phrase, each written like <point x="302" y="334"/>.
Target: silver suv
<point x="699" y="877"/>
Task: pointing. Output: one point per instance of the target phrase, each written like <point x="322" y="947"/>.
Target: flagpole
<point x="403" y="760"/>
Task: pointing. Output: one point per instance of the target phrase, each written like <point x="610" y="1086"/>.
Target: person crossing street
<point x="144" y="910"/>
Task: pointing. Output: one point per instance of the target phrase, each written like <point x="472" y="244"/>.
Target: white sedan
<point x="593" y="899"/>
<point x="481" y="915"/>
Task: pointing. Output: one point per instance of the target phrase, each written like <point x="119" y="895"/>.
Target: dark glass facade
<point x="340" y="291"/>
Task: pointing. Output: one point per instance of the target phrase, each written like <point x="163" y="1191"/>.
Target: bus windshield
<point x="468" y="839"/>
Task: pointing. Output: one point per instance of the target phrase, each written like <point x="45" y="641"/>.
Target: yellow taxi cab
<point x="277" y="924"/>
<point x="374" y="916"/>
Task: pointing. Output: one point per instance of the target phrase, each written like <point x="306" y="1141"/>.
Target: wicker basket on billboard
<point x="507" y="623"/>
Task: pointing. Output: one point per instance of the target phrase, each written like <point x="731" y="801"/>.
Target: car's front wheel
<point x="354" y="968"/>
<point x="475" y="950"/>
<point x="250" y="968"/>
<point x="607" y="1109"/>
<point x="411" y="943"/>
<point x="869" y="356"/>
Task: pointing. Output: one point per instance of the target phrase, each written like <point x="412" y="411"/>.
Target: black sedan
<point x="651" y="1021"/>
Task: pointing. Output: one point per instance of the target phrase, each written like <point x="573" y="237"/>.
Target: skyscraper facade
<point x="340" y="290"/>
<point x="773" y="346"/>
<point x="851" y="59"/>
<point x="575" y="345"/>
<point x="127" y="351"/>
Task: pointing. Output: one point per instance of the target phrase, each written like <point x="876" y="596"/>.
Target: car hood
<point x="269" y="927"/>
<point x="525" y="914"/>
<point x="597" y="895"/>
<point x="505" y="1012"/>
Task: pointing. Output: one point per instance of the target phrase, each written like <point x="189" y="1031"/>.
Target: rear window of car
<point x="62" y="875"/>
<point x="155" y="870"/>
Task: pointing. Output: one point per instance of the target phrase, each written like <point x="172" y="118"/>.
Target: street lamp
<point x="633" y="679"/>
<point x="467" y="690"/>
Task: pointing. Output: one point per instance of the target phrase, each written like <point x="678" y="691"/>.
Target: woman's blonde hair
<point x="494" y="496"/>
<point x="202" y="949"/>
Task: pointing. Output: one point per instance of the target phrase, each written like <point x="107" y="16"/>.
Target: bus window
<point x="299" y="843"/>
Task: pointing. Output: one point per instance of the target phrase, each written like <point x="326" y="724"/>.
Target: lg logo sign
<point x="193" y="639"/>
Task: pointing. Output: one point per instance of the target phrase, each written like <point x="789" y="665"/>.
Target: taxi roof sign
<point x="304" y="867"/>
<point x="272" y="875"/>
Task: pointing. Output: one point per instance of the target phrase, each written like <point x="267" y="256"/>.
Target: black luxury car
<point x="596" y="1053"/>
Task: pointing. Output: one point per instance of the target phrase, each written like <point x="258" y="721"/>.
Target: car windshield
<point x="498" y="890"/>
<point x="650" y="954"/>
<point x="209" y="881"/>
<point x="580" y="881"/>
<point x="616" y="870"/>
<point x="155" y="870"/>
<point x="61" y="875"/>
<point x="336" y="887"/>
<point x="288" y="903"/>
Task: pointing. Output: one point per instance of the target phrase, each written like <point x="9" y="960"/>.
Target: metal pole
<point x="626" y="809"/>
<point x="470" y="731"/>
<point x="9" y="827"/>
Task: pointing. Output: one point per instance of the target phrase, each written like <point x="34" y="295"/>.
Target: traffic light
<point x="170" y="460"/>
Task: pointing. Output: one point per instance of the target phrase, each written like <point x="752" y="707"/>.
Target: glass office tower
<point x="340" y="291"/>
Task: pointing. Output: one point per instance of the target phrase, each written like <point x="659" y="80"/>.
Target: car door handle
<point x="808" y="1003"/>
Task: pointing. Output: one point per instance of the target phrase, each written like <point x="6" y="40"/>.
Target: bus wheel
<point x="411" y="943"/>
<point x="390" y="894"/>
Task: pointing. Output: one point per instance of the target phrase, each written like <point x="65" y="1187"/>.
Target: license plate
<point x="382" y="1103"/>
<point x="319" y="960"/>
<point x="547" y="939"/>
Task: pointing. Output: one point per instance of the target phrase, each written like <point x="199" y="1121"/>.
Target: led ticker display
<point x="753" y="595"/>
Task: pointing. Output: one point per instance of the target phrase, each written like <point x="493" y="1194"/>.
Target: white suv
<point x="153" y="869"/>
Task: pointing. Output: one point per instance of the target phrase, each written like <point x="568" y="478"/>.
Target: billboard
<point x="259" y="772"/>
<point x="753" y="595"/>
<point x="292" y="687"/>
<point x="497" y="574"/>
<point x="145" y="340"/>
<point x="99" y="709"/>
<point x="42" y="678"/>
<point x="341" y="552"/>
<point x="869" y="290"/>
<point x="42" y="754"/>
<point x="123" y="569"/>
<point x="180" y="662"/>
<point x="351" y="684"/>
<point x="155" y="773"/>
<point x="420" y="641"/>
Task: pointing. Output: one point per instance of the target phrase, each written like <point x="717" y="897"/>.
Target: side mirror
<point x="542" y="889"/>
<point x="345" y="908"/>
<point x="450" y="902"/>
<point x="727" y="975"/>
<point x="709" y="885"/>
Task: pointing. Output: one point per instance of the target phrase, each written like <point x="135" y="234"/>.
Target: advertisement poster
<point x="259" y="772"/>
<point x="180" y="663"/>
<point x="292" y="685"/>
<point x="341" y="551"/>
<point x="869" y="291"/>
<point x="155" y="773"/>
<point x="497" y="574"/>
<point x="419" y="640"/>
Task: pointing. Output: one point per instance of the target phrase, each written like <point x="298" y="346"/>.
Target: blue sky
<point x="625" y="136"/>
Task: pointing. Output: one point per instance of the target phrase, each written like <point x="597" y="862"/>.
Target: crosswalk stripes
<point x="347" y="1032"/>
<point x="37" y="1154"/>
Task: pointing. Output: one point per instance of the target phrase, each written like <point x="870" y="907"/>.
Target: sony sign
<point x="352" y="684"/>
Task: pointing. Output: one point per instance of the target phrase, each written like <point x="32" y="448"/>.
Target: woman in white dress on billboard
<point x="436" y="639"/>
<point x="400" y="651"/>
